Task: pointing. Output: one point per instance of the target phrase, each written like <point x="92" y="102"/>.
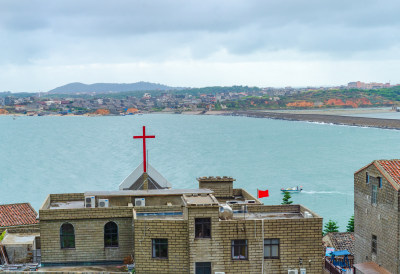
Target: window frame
<point x="109" y="235"/>
<point x="203" y="267"/>
<point x="374" y="194"/>
<point x="374" y="244"/>
<point x="270" y="247"/>
<point x="202" y="222"/>
<point x="236" y="245"/>
<point x="155" y="245"/>
<point x="64" y="236"/>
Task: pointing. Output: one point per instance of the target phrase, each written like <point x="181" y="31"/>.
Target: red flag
<point x="262" y="193"/>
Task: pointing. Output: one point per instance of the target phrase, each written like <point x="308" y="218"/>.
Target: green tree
<point x="286" y="198"/>
<point x="331" y="226"/>
<point x="350" y="224"/>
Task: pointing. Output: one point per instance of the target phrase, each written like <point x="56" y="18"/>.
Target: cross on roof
<point x="144" y="137"/>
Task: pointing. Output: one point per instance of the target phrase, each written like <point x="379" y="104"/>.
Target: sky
<point x="268" y="43"/>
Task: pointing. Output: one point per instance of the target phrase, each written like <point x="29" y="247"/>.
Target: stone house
<point x="181" y="231"/>
<point x="376" y="215"/>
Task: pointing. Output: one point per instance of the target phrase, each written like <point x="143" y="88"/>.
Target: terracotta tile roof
<point x="342" y="241"/>
<point x="392" y="167"/>
<point x="17" y="214"/>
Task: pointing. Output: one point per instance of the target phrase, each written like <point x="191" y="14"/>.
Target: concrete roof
<point x="200" y="200"/>
<point x="150" y="192"/>
<point x="19" y="238"/>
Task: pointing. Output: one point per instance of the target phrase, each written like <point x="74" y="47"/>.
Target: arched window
<point x="110" y="235"/>
<point x="67" y="236"/>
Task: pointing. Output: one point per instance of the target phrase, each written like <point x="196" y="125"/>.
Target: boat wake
<point x="325" y="192"/>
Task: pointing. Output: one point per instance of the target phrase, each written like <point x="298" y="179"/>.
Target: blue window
<point x="367" y="178"/>
<point x="380" y="182"/>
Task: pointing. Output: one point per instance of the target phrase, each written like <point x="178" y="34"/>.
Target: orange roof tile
<point x="17" y="214"/>
<point x="392" y="167"/>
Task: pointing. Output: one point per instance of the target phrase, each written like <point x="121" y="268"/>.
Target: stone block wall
<point x="221" y="189"/>
<point x="89" y="241"/>
<point x="85" y="213"/>
<point x="176" y="233"/>
<point x="380" y="219"/>
<point x="299" y="238"/>
<point x="20" y="228"/>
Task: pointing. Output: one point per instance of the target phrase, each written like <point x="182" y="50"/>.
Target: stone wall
<point x="299" y="238"/>
<point x="20" y="228"/>
<point x="84" y="213"/>
<point x="176" y="233"/>
<point x="221" y="189"/>
<point x="380" y="219"/>
<point x="89" y="241"/>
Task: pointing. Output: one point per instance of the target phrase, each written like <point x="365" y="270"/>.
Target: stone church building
<point x="180" y="231"/>
<point x="214" y="228"/>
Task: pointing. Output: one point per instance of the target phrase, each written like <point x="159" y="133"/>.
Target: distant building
<point x="362" y="85"/>
<point x="376" y="216"/>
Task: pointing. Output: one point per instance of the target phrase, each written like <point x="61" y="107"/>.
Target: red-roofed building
<point x="17" y="215"/>
<point x="377" y="214"/>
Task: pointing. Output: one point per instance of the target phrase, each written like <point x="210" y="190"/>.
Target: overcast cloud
<point x="45" y="44"/>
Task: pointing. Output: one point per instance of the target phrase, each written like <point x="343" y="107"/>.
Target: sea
<point x="51" y="154"/>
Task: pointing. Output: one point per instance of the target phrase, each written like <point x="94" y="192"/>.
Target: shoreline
<point x="323" y="118"/>
<point x="335" y="117"/>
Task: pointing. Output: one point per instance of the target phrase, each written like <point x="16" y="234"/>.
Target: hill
<point x="108" y="88"/>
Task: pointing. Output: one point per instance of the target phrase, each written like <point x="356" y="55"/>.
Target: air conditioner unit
<point x="140" y="201"/>
<point x="103" y="203"/>
<point x="293" y="271"/>
<point x="90" y="201"/>
<point x="250" y="201"/>
<point x="303" y="271"/>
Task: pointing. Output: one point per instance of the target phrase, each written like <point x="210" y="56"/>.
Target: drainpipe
<point x="262" y="245"/>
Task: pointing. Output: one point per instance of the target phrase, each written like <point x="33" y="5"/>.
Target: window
<point x="374" y="244"/>
<point x="367" y="178"/>
<point x="380" y="182"/>
<point x="160" y="248"/>
<point x="271" y="248"/>
<point x="374" y="194"/>
<point x="111" y="235"/>
<point x="202" y="227"/>
<point x="67" y="236"/>
<point x="203" y="268"/>
<point x="239" y="249"/>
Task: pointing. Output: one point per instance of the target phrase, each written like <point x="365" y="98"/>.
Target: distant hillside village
<point x="354" y="95"/>
<point x="148" y="226"/>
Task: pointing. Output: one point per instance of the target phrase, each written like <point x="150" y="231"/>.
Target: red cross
<point x="144" y="146"/>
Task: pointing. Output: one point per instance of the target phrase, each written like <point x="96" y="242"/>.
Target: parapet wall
<point x="86" y="213"/>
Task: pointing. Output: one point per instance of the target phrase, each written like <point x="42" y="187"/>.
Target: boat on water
<point x="292" y="189"/>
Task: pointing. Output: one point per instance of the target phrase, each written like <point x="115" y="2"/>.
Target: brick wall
<point x="85" y="213"/>
<point x="20" y="228"/>
<point x="64" y="197"/>
<point x="221" y="189"/>
<point x="176" y="233"/>
<point x="380" y="220"/>
<point x="298" y="238"/>
<point x="89" y="241"/>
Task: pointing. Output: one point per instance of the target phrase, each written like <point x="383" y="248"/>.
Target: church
<point x="214" y="228"/>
